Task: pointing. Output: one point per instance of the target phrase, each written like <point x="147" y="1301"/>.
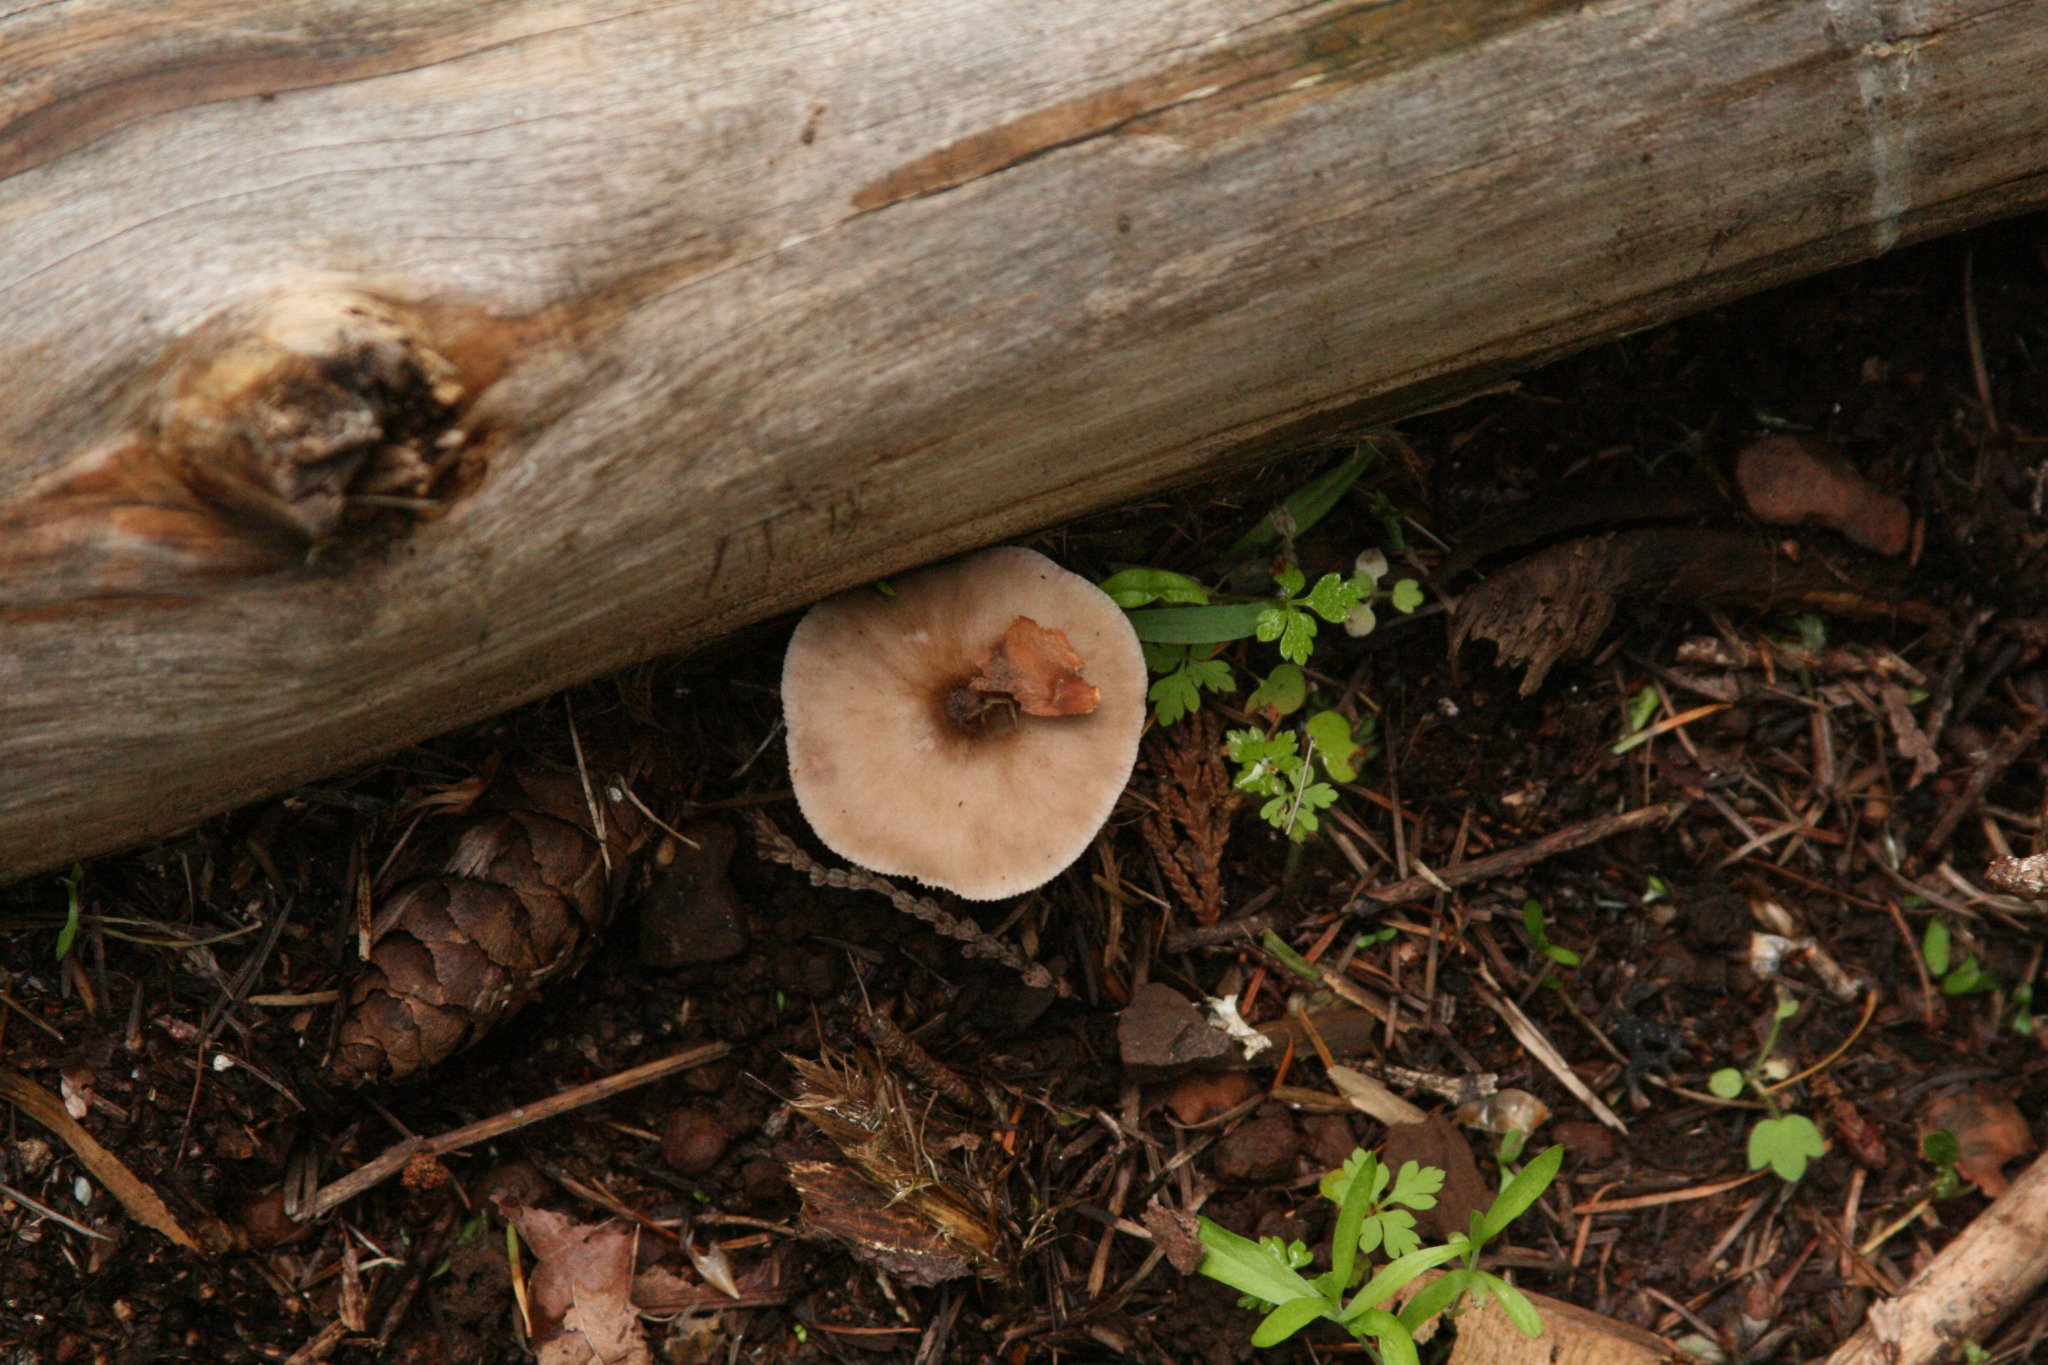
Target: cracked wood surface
<point x="662" y="318"/>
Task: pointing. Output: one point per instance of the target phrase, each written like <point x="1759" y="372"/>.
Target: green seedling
<point x="1966" y="977"/>
<point x="1184" y="626"/>
<point x="1375" y="1216"/>
<point x="1179" y="692"/>
<point x="1539" y="935"/>
<point x="1308" y="505"/>
<point x="1942" y="1150"/>
<point x="1269" y="766"/>
<point x="68" y="935"/>
<point x="1785" y="1141"/>
<point x="1288" y="958"/>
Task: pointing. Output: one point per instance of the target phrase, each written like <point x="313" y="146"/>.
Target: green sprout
<point x="1942" y="1150"/>
<point x="1785" y="1141"/>
<point x="1184" y="627"/>
<point x="1375" y="1215"/>
<point x="68" y="935"/>
<point x="1539" y="935"/>
<point x="1269" y="766"/>
<point x="1966" y="977"/>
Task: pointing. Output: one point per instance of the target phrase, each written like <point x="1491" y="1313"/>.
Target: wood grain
<point x="779" y="296"/>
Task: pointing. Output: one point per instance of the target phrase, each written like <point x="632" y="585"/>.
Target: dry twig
<point x="1515" y="859"/>
<point x="1981" y="1276"/>
<point x="373" y="1173"/>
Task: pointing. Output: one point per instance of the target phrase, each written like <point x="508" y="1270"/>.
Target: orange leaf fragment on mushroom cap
<point x="1037" y="669"/>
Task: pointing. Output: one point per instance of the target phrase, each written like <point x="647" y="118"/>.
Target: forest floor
<point x="1828" y="746"/>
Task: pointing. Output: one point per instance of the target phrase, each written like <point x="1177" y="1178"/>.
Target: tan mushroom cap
<point x="987" y="809"/>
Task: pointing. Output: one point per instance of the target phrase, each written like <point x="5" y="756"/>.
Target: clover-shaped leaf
<point x="1785" y="1144"/>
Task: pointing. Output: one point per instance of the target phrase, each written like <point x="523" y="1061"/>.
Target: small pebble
<point x="692" y="1141"/>
<point x="263" y="1224"/>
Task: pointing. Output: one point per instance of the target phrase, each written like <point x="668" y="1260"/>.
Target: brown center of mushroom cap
<point x="1031" y="671"/>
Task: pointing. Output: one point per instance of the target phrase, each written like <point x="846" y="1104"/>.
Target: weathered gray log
<point x="370" y="365"/>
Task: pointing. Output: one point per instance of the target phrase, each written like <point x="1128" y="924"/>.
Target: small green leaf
<point x="1941" y="1147"/>
<point x="1785" y="1144"/>
<point x="1291" y="960"/>
<point x="1334" y="596"/>
<point x="1197" y="625"/>
<point x="1282" y="693"/>
<point x="1397" y="1232"/>
<point x="1934" y="946"/>
<point x="1520" y="1311"/>
<point x="1330" y="732"/>
<point x="1407" y="596"/>
<point x="1297" y="637"/>
<point x="68" y="935"/>
<point x="1521" y="1192"/>
<point x="1787" y="1006"/>
<point x="1353" y="1198"/>
<point x="1394" y="1276"/>
<point x="1248" y="1266"/>
<point x="1434" y="1297"/>
<point x="1417" y="1186"/>
<point x="1396" y="1346"/>
<point x="1289" y="1318"/>
<point x="1725" y="1083"/>
<point x="1969" y="978"/>
<point x="1335" y="1185"/>
<point x="1308" y="505"/>
<point x="1137" y="587"/>
<point x="1289" y="578"/>
<point x="1642" y="704"/>
<point x="1164" y="658"/>
<point x="1174" y="696"/>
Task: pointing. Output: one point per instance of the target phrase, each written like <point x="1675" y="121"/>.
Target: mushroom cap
<point x="890" y="783"/>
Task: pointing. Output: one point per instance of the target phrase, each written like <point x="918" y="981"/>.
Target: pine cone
<point x="519" y="901"/>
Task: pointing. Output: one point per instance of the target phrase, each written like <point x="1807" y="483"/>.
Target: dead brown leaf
<point x="582" y="1290"/>
<point x="1038" y="669"/>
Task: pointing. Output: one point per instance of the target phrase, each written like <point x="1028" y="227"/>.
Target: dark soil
<point x="192" y="1017"/>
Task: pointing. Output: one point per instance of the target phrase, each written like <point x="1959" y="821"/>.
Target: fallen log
<point x="1966" y="1291"/>
<point x="373" y="366"/>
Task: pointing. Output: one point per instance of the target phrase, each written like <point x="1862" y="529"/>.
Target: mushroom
<point x="945" y="730"/>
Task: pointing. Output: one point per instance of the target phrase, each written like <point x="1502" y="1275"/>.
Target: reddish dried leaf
<point x="1038" y="670"/>
<point x="1787" y="480"/>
